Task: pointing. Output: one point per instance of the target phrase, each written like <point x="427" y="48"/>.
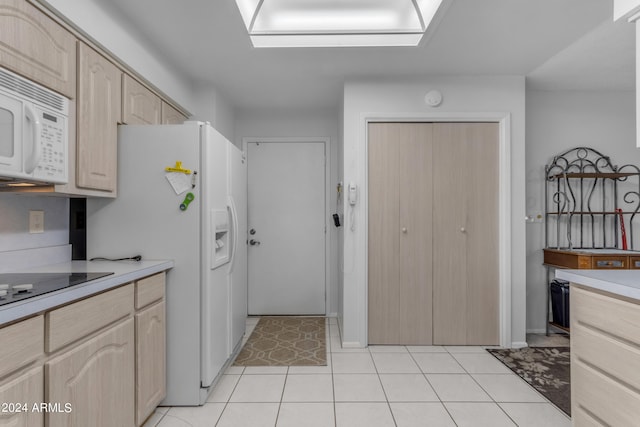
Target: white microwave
<point x="33" y="132"/>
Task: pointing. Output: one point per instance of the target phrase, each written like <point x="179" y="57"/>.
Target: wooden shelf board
<point x="591" y="213"/>
<point x="610" y="175"/>
<point x="588" y="250"/>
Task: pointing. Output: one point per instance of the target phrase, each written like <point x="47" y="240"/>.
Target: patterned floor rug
<point x="285" y="341"/>
<point x="547" y="369"/>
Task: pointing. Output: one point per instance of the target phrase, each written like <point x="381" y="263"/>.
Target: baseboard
<point x="352" y="344"/>
<point x="519" y="344"/>
<point x="536" y="331"/>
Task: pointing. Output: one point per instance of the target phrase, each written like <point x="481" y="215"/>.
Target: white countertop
<point x="124" y="272"/>
<point x="620" y="282"/>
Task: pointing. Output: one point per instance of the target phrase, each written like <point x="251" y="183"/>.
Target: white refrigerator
<point x="206" y="295"/>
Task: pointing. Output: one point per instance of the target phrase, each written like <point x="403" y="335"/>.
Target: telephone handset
<point x="353" y="194"/>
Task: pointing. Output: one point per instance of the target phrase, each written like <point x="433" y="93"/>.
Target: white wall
<point x="211" y="106"/>
<point x="119" y="40"/>
<point x="301" y="123"/>
<point x="556" y="122"/>
<point x="15" y="240"/>
<point x="461" y="95"/>
<point x="14" y="222"/>
<point x="341" y="230"/>
<point x="202" y="100"/>
<point x="208" y="105"/>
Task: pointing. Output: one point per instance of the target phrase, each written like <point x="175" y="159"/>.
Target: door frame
<point x="504" y="204"/>
<point x="327" y="198"/>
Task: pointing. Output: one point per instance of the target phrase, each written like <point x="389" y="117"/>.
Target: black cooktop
<point x="19" y="286"/>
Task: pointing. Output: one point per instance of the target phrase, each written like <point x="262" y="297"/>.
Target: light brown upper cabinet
<point x="99" y="103"/>
<point x="140" y="106"/>
<point x="433" y="233"/>
<point x="35" y="46"/>
<point x="171" y="116"/>
<point x="39" y="46"/>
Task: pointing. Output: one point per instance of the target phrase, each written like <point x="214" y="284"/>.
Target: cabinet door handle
<point x="463" y="230"/>
<point x="404" y="230"/>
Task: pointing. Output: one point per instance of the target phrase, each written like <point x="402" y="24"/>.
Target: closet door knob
<point x="463" y="230"/>
<point x="404" y="230"/>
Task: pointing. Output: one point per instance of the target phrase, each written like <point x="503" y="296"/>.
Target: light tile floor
<point x="380" y="386"/>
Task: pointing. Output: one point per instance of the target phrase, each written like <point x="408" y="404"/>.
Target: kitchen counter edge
<point x="625" y="283"/>
<point x="124" y="272"/>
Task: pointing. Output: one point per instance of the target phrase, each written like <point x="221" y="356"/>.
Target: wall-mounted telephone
<point x="353" y="194"/>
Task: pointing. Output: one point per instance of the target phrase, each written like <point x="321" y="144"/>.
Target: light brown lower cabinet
<point x="18" y="397"/>
<point x="150" y="360"/>
<point x="21" y="386"/>
<point x="106" y="370"/>
<point x="96" y="379"/>
<point x="605" y="359"/>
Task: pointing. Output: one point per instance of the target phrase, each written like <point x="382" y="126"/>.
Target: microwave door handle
<point x="36" y="149"/>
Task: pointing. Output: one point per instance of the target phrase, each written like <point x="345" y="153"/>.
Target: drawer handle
<point x="612" y="264"/>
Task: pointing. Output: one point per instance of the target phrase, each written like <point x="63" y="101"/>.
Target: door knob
<point x="463" y="230"/>
<point x="252" y="231"/>
<point x="404" y="229"/>
<point x="253" y="242"/>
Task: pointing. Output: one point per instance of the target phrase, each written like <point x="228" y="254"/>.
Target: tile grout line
<point x="286" y="376"/>
<point x="382" y="387"/>
<point x="466" y="373"/>
<point x="226" y="404"/>
<point x="434" y="389"/>
<point x="333" y="383"/>
<point x="487" y="393"/>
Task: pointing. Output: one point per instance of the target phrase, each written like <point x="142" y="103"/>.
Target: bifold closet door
<point x="465" y="238"/>
<point x="400" y="233"/>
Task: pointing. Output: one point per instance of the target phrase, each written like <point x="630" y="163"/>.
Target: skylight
<point x="337" y="23"/>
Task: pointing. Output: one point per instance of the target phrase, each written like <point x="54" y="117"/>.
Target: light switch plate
<point x="36" y="222"/>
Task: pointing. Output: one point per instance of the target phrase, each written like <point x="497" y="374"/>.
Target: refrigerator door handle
<point x="234" y="224"/>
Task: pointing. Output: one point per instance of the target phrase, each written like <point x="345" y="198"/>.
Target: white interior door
<point x="286" y="221"/>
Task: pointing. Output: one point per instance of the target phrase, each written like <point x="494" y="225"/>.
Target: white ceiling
<point x="558" y="44"/>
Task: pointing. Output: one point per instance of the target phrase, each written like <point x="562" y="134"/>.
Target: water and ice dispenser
<point x="221" y="243"/>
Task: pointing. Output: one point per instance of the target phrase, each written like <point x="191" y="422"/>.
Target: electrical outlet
<point x="534" y="218"/>
<point x="36" y="222"/>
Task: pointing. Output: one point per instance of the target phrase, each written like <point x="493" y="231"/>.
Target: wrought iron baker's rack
<point x="586" y="195"/>
<point x="589" y="201"/>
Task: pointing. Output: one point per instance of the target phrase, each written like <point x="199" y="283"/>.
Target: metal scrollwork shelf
<point x="591" y="212"/>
